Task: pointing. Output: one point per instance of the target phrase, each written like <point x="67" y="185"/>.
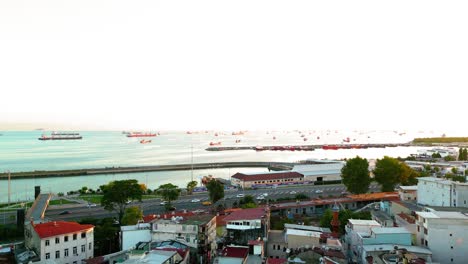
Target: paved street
<point x="152" y="206"/>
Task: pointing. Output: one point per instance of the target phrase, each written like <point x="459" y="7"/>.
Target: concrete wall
<point x="132" y="237"/>
<point x="461" y="195"/>
<point x="434" y="193"/>
<point x="295" y="241"/>
<point x="446" y="238"/>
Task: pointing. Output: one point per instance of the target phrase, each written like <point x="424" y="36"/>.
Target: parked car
<point x="318" y="191"/>
<point x="195" y="200"/>
<point x="64" y="212"/>
<point x="163" y="203"/>
<point x="260" y="197"/>
<point x="265" y="194"/>
<point x="206" y="203"/>
<point x="92" y="205"/>
<point x="240" y="195"/>
<point x="292" y="192"/>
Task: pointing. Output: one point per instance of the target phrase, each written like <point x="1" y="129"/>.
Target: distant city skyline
<point x="185" y="65"/>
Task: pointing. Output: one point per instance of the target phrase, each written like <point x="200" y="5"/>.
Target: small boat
<point x="274" y="138"/>
<point x="318" y="137"/>
<point x="216" y="134"/>
<point x="238" y="140"/>
<point x="143" y="141"/>
<point x="215" y="143"/>
<point x="141" y="134"/>
<point x="305" y="139"/>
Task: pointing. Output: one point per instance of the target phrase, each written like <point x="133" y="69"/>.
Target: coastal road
<point x="152" y="206"/>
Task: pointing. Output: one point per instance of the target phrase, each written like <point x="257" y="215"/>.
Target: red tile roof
<point x="235" y="252"/>
<point x="267" y="176"/>
<point x="276" y="261"/>
<point x="246" y="214"/>
<point x="149" y="218"/>
<point x="57" y="228"/>
<point x="407" y="218"/>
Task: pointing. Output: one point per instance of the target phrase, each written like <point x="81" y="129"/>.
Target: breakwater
<point x="114" y="170"/>
<point x="309" y="147"/>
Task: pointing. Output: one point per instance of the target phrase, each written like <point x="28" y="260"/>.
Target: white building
<point x="132" y="235"/>
<point x="156" y="256"/>
<point x="441" y="192"/>
<point x="445" y="234"/>
<point x="60" y="241"/>
<point x="408" y="193"/>
<point x="320" y="172"/>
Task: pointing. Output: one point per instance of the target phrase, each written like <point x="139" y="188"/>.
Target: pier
<point x="177" y="167"/>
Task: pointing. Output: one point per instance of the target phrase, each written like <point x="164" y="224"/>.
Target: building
<point x="298" y="236"/>
<point x="248" y="224"/>
<point x="158" y="256"/>
<point x="197" y="231"/>
<point x="318" y="173"/>
<point x="445" y="234"/>
<point x="60" y="241"/>
<point x="408" y="193"/>
<point x="234" y="255"/>
<point x="441" y="192"/>
<point x="364" y="238"/>
<point x="254" y="180"/>
<point x="132" y="235"/>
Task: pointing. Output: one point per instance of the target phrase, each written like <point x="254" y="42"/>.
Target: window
<point x="83" y="248"/>
<point x="90" y="245"/>
<point x="65" y="252"/>
<point x="74" y="236"/>
<point x="425" y="242"/>
<point x="418" y="228"/>
<point x="187" y="238"/>
<point x="425" y="231"/>
<point x="47" y="255"/>
<point x="75" y="251"/>
<point x="57" y="240"/>
<point x="74" y="262"/>
<point x="450" y="234"/>
<point x="65" y="239"/>
<point x="274" y="247"/>
<point x="57" y="254"/>
<point x="47" y="242"/>
<point x="451" y="247"/>
<point x="83" y="235"/>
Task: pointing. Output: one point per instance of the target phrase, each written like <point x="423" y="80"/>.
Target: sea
<point x="22" y="151"/>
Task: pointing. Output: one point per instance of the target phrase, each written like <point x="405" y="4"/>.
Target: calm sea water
<point x="22" y="151"/>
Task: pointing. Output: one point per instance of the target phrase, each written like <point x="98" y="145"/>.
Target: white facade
<point x="244" y="224"/>
<point x="445" y="234"/>
<point x="69" y="248"/>
<point x="440" y="192"/>
<point x="408" y="193"/>
<point x="132" y="235"/>
<point x="320" y="172"/>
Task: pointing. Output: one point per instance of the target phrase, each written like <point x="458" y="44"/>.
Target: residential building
<point x="132" y="235"/>
<point x="234" y="255"/>
<point x="197" y="231"/>
<point x="408" y="193"/>
<point x="277" y="246"/>
<point x="157" y="256"/>
<point x="445" y="234"/>
<point x="298" y="236"/>
<point x="247" y="224"/>
<point x="60" y="241"/>
<point x="253" y="180"/>
<point x="387" y="253"/>
<point x="441" y="192"/>
<point x="360" y="233"/>
<point x="320" y="172"/>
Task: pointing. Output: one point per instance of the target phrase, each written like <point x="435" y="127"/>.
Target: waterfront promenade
<point x="111" y="170"/>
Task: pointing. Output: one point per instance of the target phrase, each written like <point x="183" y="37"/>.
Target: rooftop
<point x="309" y="228"/>
<point x="389" y="247"/>
<point x="296" y="232"/>
<point x="407" y="218"/>
<point x="267" y="176"/>
<point x="442" y="215"/>
<point x="235" y="252"/>
<point x="381" y="215"/>
<point x="246" y="214"/>
<point x="275" y="236"/>
<point x="154" y="256"/>
<point x="57" y="228"/>
<point x="276" y="261"/>
<point x="363" y="222"/>
<point x="409" y="188"/>
<point x="186" y="218"/>
<point x="390" y="230"/>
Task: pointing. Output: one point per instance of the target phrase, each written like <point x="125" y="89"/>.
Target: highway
<point x="152" y="206"/>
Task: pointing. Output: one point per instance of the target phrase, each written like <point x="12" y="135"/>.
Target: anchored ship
<point x="61" y="136"/>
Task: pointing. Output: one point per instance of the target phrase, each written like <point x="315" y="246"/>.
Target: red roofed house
<point x="271" y="178"/>
<point x="234" y="255"/>
<point x="247" y="224"/>
<point x="60" y="241"/>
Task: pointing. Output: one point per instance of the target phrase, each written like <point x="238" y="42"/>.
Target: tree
<point x="143" y="187"/>
<point x="388" y="173"/>
<point x="355" y="175"/>
<point x="215" y="190"/>
<point x="190" y="186"/>
<point x="325" y="220"/>
<point x="463" y="154"/>
<point x="132" y="215"/>
<point x="408" y="176"/>
<point x="83" y="190"/>
<point x="436" y="155"/>
<point x="169" y="192"/>
<point x="118" y="193"/>
<point x="454" y="170"/>
<point x="247" y="202"/>
<point x="449" y="158"/>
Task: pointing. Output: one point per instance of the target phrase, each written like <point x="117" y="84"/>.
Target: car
<point x="92" y="205"/>
<point x="240" y="195"/>
<point x="260" y="197"/>
<point x="163" y="203"/>
<point x="318" y="191"/>
<point x="64" y="212"/>
<point x="206" y="203"/>
<point x="292" y="192"/>
<point x="171" y="208"/>
<point x="265" y="194"/>
<point x="195" y="200"/>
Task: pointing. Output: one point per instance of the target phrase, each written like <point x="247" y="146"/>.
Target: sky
<point x="190" y="65"/>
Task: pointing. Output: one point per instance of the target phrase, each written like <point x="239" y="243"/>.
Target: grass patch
<point x="61" y="201"/>
<point x="440" y="140"/>
<point x="92" y="198"/>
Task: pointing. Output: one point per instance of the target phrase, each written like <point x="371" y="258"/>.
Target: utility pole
<point x="9" y="187"/>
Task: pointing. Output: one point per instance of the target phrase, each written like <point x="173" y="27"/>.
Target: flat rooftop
<point x="363" y="222"/>
<point x="390" y="230"/>
<point x="442" y="215"/>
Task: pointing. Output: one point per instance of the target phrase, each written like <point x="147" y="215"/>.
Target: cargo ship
<point x="65" y="133"/>
<point x="141" y="134"/>
<point x="60" y="137"/>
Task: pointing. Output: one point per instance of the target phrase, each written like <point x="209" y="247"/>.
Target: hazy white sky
<point x="234" y="64"/>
